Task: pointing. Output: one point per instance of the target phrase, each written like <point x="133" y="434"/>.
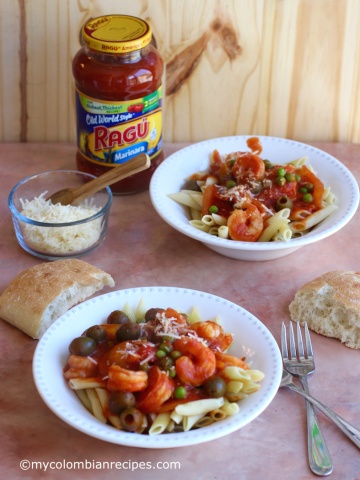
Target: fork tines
<point x="298" y="352"/>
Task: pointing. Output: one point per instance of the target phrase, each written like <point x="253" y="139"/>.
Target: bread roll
<point x="330" y="304"/>
<point x="41" y="294"/>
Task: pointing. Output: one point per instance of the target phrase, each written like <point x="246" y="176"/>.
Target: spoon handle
<point x="349" y="430"/>
<point x="134" y="165"/>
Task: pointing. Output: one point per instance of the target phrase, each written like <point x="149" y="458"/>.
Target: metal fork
<point x="300" y="366"/>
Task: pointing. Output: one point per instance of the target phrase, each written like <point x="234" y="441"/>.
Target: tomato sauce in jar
<point x="118" y="82"/>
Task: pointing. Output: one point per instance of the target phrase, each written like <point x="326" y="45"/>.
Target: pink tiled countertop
<point x="142" y="250"/>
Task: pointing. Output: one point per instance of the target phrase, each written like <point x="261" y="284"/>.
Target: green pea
<point x="230" y="184"/>
<point x="297" y="177"/>
<point x="160" y="354"/>
<point x="303" y="190"/>
<point x="175" y="354"/>
<point x="309" y="186"/>
<point x="172" y="372"/>
<point x="280" y="181"/>
<point x="290" y="177"/>
<point x="213" y="209"/>
<point x="166" y="346"/>
<point x="280" y="172"/>
<point x="307" y="198"/>
<point x="168" y="338"/>
<point x="232" y="162"/>
<point x="180" y="392"/>
<point x="166" y="363"/>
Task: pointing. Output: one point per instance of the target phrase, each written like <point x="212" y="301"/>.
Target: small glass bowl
<point x="55" y="241"/>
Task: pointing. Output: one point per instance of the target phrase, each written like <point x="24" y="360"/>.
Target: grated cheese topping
<point x="59" y="240"/>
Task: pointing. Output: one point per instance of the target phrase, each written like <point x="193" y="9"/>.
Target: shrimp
<point x="225" y="360"/>
<point x="245" y="225"/>
<point x="216" y="338"/>
<point x="80" y="367"/>
<point x="247" y="166"/>
<point x="126" y="354"/>
<point x="197" y="362"/>
<point x="160" y="388"/>
<point x="126" y="380"/>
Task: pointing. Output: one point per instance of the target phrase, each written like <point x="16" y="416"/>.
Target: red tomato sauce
<point x="118" y="98"/>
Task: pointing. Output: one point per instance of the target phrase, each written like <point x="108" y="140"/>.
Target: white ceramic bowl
<point x="170" y="175"/>
<point x="251" y="339"/>
<point x="40" y="238"/>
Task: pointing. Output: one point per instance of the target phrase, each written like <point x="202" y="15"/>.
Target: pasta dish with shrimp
<point x="156" y="371"/>
<point x="246" y="198"/>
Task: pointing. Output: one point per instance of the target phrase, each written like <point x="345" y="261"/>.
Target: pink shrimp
<point x="160" y="388"/>
<point x="197" y="362"/>
<point x="214" y="334"/>
<point x="122" y="379"/>
<point x="247" y="166"/>
<point x="225" y="360"/>
<point x="80" y="367"/>
<point x="246" y="224"/>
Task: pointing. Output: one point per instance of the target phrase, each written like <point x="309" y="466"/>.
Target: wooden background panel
<point x="10" y="87"/>
<point x="287" y="68"/>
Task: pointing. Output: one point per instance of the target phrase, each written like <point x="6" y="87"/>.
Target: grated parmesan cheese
<point x="59" y="240"/>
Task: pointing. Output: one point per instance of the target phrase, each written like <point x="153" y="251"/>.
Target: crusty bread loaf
<point x="41" y="294"/>
<point x="330" y="304"/>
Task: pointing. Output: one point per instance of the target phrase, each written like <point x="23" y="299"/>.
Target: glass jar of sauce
<point x="118" y="82"/>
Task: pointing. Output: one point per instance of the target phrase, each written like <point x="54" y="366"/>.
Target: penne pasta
<point x="128" y="310"/>
<point x="84" y="383"/>
<point x="195" y="214"/>
<point x="208" y="220"/>
<point x="198" y="407"/>
<point x="219" y="219"/>
<point x="204" y="421"/>
<point x="313" y="219"/>
<point x="256" y="375"/>
<point x="140" y="310"/>
<point x="234" y="386"/>
<point x="160" y="423"/>
<point x="217" y="414"/>
<point x="230" y="408"/>
<point x="96" y="405"/>
<point x="214" y="230"/>
<point x="199" y="225"/>
<point x="190" y="420"/>
<point x="236" y="373"/>
<point x="184" y="199"/>
<point x="194" y="316"/>
<point x="198" y="198"/>
<point x="82" y="395"/>
<point x="223" y="232"/>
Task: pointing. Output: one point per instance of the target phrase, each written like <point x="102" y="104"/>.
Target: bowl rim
<point x="207" y="239"/>
<point x="16" y="213"/>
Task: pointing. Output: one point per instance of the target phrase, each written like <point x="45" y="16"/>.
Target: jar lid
<point x="116" y="33"/>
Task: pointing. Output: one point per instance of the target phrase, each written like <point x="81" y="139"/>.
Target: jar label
<point x="114" y="132"/>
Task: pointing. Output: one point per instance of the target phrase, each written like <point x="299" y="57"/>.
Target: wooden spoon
<point x="74" y="196"/>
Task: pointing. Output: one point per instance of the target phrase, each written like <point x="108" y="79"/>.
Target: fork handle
<point x="349" y="430"/>
<point x="318" y="453"/>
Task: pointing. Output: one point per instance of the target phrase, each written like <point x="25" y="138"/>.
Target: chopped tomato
<point x="211" y="198"/>
<point x="269" y="195"/>
<point x="219" y="169"/>
<point x="318" y="190"/>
